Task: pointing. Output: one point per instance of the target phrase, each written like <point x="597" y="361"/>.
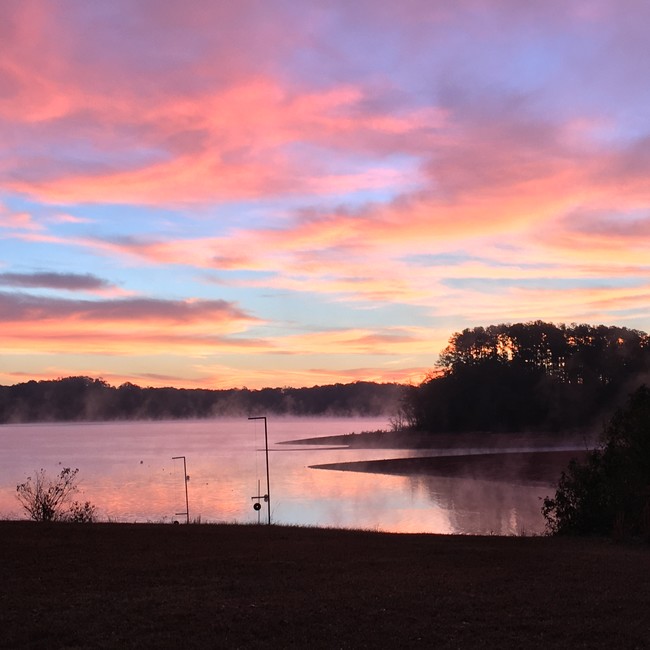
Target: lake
<point x="126" y="470"/>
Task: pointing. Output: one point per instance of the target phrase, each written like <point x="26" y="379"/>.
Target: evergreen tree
<point x="610" y="492"/>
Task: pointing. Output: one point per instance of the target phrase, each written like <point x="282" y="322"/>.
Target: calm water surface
<point x="126" y="470"/>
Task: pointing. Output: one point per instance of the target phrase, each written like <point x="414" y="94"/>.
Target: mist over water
<point x="126" y="470"/>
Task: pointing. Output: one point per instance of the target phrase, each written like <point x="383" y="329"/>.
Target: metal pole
<point x="187" y="503"/>
<point x="266" y="449"/>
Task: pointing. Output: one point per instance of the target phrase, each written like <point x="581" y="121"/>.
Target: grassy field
<point x="230" y="586"/>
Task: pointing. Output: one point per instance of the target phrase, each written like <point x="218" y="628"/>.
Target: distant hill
<point x="74" y="399"/>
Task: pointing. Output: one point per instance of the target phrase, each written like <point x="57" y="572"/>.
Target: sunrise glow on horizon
<point x="227" y="194"/>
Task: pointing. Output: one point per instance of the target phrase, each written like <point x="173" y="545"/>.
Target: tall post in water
<point x="187" y="503"/>
<point x="266" y="449"/>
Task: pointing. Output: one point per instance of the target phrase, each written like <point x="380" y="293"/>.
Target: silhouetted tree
<point x="533" y="375"/>
<point x="51" y="500"/>
<point x="610" y="492"/>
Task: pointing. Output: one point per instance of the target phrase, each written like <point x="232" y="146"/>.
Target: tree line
<point x="529" y="376"/>
<point x="87" y="399"/>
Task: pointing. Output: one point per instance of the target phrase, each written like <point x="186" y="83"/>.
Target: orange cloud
<point x="121" y="326"/>
<point x="227" y="376"/>
<point x="359" y="341"/>
<point x="571" y="304"/>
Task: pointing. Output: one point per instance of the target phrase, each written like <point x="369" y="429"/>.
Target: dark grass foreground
<point x="221" y="586"/>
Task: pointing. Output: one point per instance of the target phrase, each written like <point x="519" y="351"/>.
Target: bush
<point x="51" y="500"/>
<point x="609" y="494"/>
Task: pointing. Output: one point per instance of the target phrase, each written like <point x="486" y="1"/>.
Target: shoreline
<point x="473" y="440"/>
<point x="519" y="458"/>
<point x="523" y="468"/>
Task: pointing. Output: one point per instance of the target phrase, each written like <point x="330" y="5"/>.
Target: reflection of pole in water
<point x="267" y="496"/>
<point x="185" y="477"/>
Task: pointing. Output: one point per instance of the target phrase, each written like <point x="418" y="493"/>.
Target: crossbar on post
<point x="266" y="449"/>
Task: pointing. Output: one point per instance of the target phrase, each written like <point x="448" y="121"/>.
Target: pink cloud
<point x="18" y="221"/>
<point x="237" y="147"/>
<point x="69" y="218"/>
<point x="127" y="326"/>
<point x="23" y="307"/>
<point x="487" y="168"/>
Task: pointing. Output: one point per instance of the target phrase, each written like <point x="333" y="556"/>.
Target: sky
<point x="278" y="193"/>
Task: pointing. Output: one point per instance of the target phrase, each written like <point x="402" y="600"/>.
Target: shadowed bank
<point x="523" y="468"/>
<point x="121" y="585"/>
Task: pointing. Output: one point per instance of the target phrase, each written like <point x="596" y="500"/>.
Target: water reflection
<point x="127" y="471"/>
<point x="487" y="507"/>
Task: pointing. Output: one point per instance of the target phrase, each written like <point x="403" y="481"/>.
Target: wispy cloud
<point x="20" y="307"/>
<point x="122" y="326"/>
<point x="66" y="281"/>
<point x="18" y="222"/>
